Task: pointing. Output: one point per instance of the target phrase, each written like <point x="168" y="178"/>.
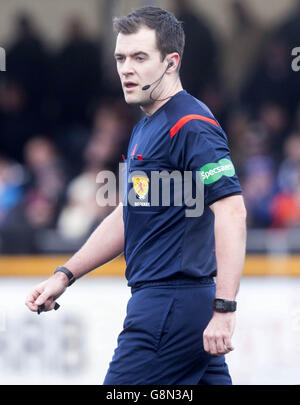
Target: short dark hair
<point x="170" y="36"/>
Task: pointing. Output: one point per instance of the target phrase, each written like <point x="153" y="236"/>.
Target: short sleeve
<point x="203" y="149"/>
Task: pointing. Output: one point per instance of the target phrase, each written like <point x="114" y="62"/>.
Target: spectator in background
<point x="263" y="135"/>
<point x="12" y="178"/>
<point x="77" y="89"/>
<point x="116" y="118"/>
<point x="48" y="173"/>
<point x="252" y="141"/>
<point x="77" y="76"/>
<point x="199" y="65"/>
<point x="275" y="120"/>
<point x="296" y="126"/>
<point x="273" y="80"/>
<point x="38" y="208"/>
<point x="259" y="189"/>
<point x="17" y="122"/>
<point x="82" y="212"/>
<point x="289" y="169"/>
<point x="28" y="63"/>
<point x="286" y="209"/>
<point x="214" y="96"/>
<point x="242" y="47"/>
<point x="20" y="232"/>
<point x="238" y="123"/>
<point x="289" y="30"/>
<point x="288" y="33"/>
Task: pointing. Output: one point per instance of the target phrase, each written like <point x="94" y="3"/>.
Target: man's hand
<point x="47" y="292"/>
<point x="218" y="333"/>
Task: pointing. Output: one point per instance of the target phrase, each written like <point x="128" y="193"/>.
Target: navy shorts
<point x="162" y="338"/>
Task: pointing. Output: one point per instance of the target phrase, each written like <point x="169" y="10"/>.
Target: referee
<point x="184" y="271"/>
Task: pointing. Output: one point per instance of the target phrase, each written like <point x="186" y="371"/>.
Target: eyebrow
<point x="133" y="54"/>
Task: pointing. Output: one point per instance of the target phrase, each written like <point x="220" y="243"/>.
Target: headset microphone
<point x="170" y="64"/>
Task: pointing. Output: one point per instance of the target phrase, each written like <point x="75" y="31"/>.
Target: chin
<point x="131" y="99"/>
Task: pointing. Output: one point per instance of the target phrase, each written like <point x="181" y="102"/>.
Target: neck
<point x="149" y="109"/>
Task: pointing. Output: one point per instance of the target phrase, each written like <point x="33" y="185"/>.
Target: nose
<point x="126" y="68"/>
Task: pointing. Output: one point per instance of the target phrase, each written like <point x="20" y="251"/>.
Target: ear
<point x="173" y="61"/>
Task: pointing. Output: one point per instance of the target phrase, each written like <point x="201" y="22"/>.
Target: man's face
<point x="138" y="63"/>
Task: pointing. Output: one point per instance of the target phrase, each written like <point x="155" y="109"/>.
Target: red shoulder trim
<point x="134" y="149"/>
<point x="185" y="119"/>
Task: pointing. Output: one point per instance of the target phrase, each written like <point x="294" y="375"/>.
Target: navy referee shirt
<point x="161" y="242"/>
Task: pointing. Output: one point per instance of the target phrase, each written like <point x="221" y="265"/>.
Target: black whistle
<point x="41" y="308"/>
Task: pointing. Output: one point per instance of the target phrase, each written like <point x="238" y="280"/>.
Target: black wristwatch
<point x="68" y="273"/>
<point x="221" y="305"/>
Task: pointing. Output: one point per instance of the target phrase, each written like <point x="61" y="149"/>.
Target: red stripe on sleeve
<point x="187" y="118"/>
<point x="133" y="152"/>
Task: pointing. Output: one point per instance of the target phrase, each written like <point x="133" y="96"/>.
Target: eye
<point x="140" y="58"/>
<point x="119" y="58"/>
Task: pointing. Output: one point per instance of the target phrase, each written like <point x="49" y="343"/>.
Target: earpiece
<point x="170" y="64"/>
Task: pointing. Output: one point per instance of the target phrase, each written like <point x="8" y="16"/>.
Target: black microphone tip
<point x="146" y="87"/>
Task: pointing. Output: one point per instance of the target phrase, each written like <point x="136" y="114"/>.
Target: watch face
<point x="220" y="306"/>
<point x="224" y="306"/>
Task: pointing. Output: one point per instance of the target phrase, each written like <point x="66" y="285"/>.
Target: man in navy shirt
<point x="179" y="322"/>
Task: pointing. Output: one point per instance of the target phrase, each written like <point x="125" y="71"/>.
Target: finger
<point x="228" y="344"/>
<point x="31" y="298"/>
<point x="33" y="295"/>
<point x="42" y="298"/>
<point x="221" y="349"/>
<point x="212" y="346"/>
<point x="205" y="343"/>
<point x="31" y="306"/>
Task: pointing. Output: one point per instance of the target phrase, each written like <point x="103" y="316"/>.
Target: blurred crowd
<point x="61" y="122"/>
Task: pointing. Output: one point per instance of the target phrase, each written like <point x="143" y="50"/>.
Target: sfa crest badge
<point x="141" y="186"/>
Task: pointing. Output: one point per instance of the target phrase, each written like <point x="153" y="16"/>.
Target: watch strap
<point x="67" y="272"/>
